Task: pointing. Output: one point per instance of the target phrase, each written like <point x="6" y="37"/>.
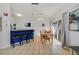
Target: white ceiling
<point x="43" y="10"/>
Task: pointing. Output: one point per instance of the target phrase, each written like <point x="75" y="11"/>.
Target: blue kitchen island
<point x="20" y="36"/>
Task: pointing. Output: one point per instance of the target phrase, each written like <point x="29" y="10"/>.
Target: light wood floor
<point x="36" y="48"/>
<point x="58" y="50"/>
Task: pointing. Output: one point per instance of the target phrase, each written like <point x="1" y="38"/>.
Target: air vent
<point x="35" y="3"/>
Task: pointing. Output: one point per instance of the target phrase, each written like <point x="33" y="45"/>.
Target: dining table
<point x="46" y="35"/>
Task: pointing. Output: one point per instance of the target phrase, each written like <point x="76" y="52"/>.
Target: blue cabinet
<point x="20" y="36"/>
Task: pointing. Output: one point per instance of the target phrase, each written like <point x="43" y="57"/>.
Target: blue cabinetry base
<point x="20" y="36"/>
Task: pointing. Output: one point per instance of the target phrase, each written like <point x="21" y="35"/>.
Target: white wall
<point x="5" y="33"/>
<point x="35" y="24"/>
<point x="74" y="38"/>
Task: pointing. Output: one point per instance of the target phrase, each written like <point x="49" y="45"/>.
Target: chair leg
<point x="26" y="41"/>
<point x="13" y="45"/>
<point x="20" y="43"/>
<point x="33" y="39"/>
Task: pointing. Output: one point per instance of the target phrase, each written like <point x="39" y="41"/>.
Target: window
<point x="74" y="20"/>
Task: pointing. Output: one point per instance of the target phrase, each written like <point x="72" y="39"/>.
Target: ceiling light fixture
<point x="35" y="3"/>
<point x="40" y="19"/>
<point x="19" y="14"/>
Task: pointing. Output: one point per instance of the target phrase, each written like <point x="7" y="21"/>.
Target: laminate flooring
<point x="36" y="48"/>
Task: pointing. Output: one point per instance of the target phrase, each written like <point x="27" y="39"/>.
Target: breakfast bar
<point x="20" y="36"/>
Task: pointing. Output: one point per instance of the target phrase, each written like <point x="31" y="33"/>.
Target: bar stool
<point x="21" y="39"/>
<point x="24" y="37"/>
<point x="15" y="39"/>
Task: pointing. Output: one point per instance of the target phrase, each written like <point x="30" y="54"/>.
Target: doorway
<point x="57" y="42"/>
<point x="56" y="28"/>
